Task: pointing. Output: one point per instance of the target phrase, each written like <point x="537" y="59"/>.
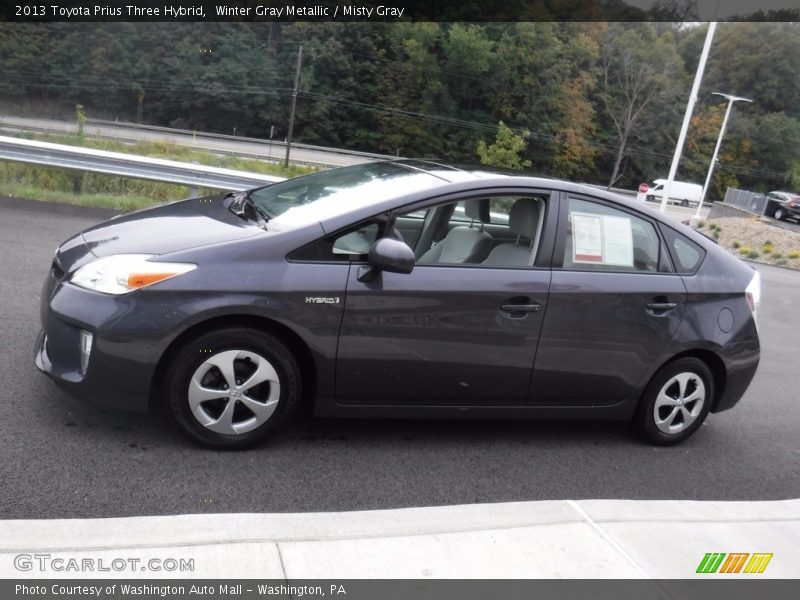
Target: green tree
<point x="759" y="61"/>
<point x="506" y="149"/>
<point x="641" y="75"/>
<point x="574" y="149"/>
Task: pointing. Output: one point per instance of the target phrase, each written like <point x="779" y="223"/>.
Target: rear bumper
<point x="740" y="372"/>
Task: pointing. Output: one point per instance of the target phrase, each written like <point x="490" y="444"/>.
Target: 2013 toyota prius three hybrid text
<point x="402" y="289"/>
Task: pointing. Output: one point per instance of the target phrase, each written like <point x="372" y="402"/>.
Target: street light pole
<point x="294" y="103"/>
<point x="687" y="117"/>
<point x="731" y="100"/>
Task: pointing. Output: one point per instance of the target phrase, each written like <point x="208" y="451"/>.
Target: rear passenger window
<point x="601" y="238"/>
<point x="685" y="252"/>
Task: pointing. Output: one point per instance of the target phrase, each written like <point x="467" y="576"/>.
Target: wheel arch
<point x="294" y="342"/>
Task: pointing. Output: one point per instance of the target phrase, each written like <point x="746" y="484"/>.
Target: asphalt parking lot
<point x="790" y="225"/>
<point x="65" y="458"/>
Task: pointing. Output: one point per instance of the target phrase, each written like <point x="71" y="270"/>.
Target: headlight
<point x="123" y="273"/>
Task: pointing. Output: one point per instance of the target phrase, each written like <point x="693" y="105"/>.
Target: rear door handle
<point x="534" y="307"/>
<point x="661" y="307"/>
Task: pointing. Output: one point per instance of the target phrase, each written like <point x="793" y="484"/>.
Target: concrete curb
<point x="546" y="539"/>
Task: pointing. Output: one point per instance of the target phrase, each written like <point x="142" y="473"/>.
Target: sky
<point x="711" y="10"/>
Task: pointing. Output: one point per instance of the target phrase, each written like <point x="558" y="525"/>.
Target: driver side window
<point x="494" y="231"/>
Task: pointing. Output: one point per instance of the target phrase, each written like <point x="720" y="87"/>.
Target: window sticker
<point x="618" y="241"/>
<point x="602" y="239"/>
<point x="587" y="238"/>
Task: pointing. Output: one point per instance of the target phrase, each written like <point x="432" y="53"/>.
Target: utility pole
<point x="687" y="117"/>
<point x="139" y="107"/>
<point x="731" y="100"/>
<point x="294" y="102"/>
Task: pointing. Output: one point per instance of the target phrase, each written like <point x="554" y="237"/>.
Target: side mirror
<point x="390" y="255"/>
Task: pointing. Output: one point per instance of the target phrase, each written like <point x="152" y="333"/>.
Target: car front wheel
<point x="676" y="402"/>
<point x="779" y="214"/>
<point x="232" y="387"/>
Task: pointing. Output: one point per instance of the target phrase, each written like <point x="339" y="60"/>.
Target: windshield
<point x="314" y="197"/>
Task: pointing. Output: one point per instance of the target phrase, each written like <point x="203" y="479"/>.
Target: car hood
<point x="159" y="230"/>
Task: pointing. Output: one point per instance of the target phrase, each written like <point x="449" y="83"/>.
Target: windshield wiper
<point x="244" y="206"/>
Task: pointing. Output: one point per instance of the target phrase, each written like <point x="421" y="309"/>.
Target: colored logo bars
<point x="735" y="562"/>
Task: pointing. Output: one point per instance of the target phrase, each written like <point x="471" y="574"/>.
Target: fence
<point x="749" y="201"/>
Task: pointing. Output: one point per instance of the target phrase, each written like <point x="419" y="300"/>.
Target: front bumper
<point x="119" y="369"/>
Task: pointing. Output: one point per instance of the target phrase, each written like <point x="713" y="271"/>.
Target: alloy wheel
<point x="679" y="402"/>
<point x="234" y="392"/>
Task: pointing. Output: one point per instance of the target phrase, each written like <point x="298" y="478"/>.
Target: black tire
<point x="779" y="215"/>
<point x="651" y="198"/>
<point x="645" y="418"/>
<point x="256" y="348"/>
<point x="684" y="203"/>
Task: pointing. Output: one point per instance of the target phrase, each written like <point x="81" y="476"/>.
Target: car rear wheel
<point x="676" y="402"/>
<point x="232" y="387"/>
<point x="779" y="214"/>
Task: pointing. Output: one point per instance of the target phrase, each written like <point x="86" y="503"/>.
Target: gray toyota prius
<point x="401" y="289"/>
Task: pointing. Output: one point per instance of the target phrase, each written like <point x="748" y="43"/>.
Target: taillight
<point x="753" y="294"/>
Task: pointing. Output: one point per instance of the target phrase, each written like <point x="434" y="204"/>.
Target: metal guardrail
<point x="129" y="165"/>
<point x="272" y="149"/>
<point x="749" y="201"/>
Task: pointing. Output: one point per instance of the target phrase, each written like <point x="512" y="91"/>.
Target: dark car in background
<point x="402" y="289"/>
<point x="783" y="205"/>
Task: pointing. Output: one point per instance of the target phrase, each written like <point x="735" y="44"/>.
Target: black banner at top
<point x="397" y="10"/>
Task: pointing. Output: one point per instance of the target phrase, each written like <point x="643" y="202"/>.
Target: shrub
<point x="745" y="250"/>
<point x="794" y="254"/>
<point x="752" y="254"/>
<point x="781" y="261"/>
<point x="701" y="224"/>
<point x="768" y="247"/>
<point x="716" y="234"/>
<point x="777" y="255"/>
<point x="736" y="245"/>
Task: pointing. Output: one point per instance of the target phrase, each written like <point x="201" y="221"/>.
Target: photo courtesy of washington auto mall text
<point x="74" y="591"/>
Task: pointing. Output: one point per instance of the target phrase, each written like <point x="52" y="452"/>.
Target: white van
<point x="679" y="193"/>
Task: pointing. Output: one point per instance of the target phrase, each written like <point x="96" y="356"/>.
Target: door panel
<point x="612" y="310"/>
<point x="441" y="336"/>
<point x="599" y="335"/>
